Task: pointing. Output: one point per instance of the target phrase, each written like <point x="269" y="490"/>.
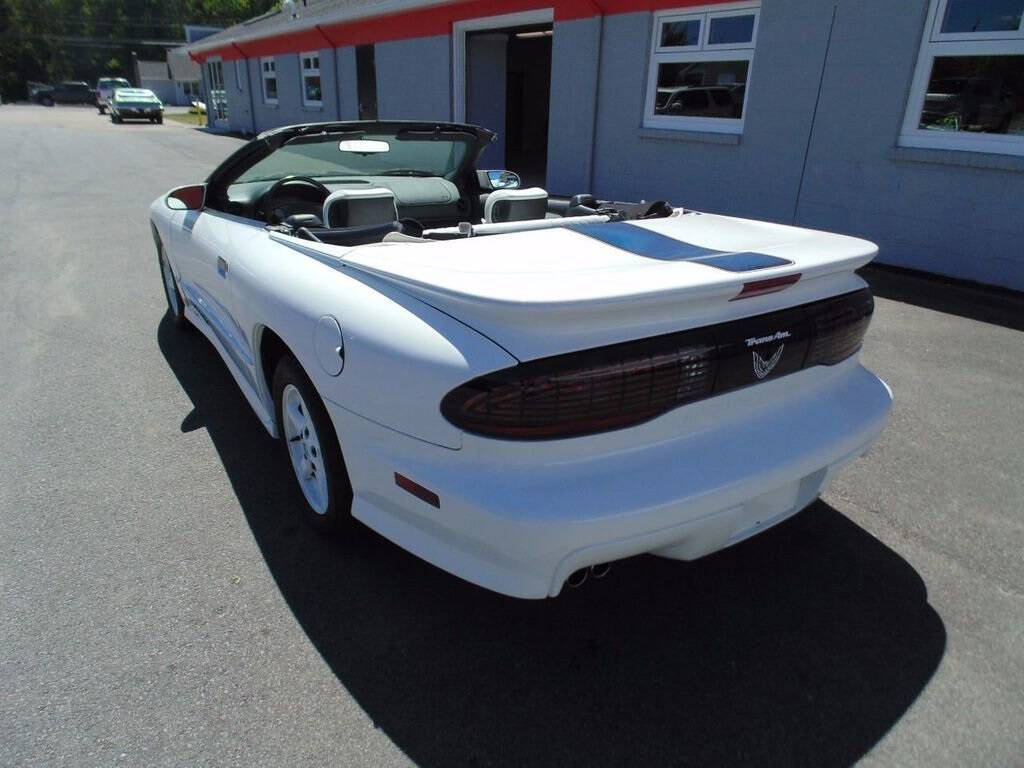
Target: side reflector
<point x="761" y="287"/>
<point x="417" y="490"/>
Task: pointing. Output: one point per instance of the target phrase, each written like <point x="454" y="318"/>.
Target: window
<point x="312" y="94"/>
<point x="217" y="99"/>
<point x="239" y="63"/>
<point x="700" y="68"/>
<point x="968" y="90"/>
<point x="269" y="71"/>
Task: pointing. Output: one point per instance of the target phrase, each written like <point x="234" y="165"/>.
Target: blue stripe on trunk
<point x="653" y="245"/>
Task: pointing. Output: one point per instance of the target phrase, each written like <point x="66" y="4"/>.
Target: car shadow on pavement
<point x="986" y="304"/>
<point x="804" y="645"/>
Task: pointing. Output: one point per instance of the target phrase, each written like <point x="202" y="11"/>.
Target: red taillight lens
<point x="586" y="392"/>
<point x="622" y="385"/>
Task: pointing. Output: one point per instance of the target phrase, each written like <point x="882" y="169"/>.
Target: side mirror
<point x="190" y="198"/>
<point x="503" y="179"/>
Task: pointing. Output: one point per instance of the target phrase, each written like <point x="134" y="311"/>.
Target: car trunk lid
<point x="541" y="293"/>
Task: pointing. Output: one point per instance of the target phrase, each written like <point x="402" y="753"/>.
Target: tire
<point x="175" y="302"/>
<point x="160" y="120"/>
<point x="101" y="108"/>
<point x="311" y="448"/>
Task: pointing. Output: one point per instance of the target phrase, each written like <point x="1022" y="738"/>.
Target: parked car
<point x="968" y="104"/>
<point x="701" y="101"/>
<point x="105" y="88"/>
<point x="136" y="104"/>
<point x="67" y="92"/>
<point x="514" y="396"/>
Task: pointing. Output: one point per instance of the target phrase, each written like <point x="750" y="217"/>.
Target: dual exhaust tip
<point x="599" y="571"/>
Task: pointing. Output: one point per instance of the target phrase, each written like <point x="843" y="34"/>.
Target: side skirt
<point x="263" y="412"/>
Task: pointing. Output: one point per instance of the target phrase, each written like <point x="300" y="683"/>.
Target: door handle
<point x="222" y="266"/>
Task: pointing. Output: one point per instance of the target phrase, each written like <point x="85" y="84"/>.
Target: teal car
<point x="136" y="104"/>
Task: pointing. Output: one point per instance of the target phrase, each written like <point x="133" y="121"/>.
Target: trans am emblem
<point x="763" y="367"/>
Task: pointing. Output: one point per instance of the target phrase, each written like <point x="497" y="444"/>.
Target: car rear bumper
<point x="519" y="518"/>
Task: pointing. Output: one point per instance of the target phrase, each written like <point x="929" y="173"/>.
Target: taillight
<point x="838" y="327"/>
<point x="584" y="392"/>
<point x="622" y="385"/>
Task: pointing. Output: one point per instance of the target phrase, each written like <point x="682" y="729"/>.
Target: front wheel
<point x="312" y="447"/>
<point x="101" y="108"/>
<point x="160" y="120"/>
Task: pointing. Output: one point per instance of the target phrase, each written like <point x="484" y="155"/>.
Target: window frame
<point x="268" y="75"/>
<point x="937" y="44"/>
<point x="701" y="51"/>
<point x="304" y="73"/>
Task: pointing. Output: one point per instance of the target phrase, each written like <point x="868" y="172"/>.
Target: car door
<point x="206" y="242"/>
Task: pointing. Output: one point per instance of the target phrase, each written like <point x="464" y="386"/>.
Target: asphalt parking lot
<point x="161" y="604"/>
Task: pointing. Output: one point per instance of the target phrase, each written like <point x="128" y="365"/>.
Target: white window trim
<point x="700" y="52"/>
<point x="304" y="73"/>
<point x="934" y="44"/>
<point x="238" y="74"/>
<point x="264" y="76"/>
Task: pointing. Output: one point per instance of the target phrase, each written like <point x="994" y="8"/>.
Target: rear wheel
<point x="312" y="447"/>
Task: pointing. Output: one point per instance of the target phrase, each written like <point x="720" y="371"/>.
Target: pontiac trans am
<point x="519" y="389"/>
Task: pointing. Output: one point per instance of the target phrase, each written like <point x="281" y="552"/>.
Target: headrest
<point x="356" y="207"/>
<point x="516" y="205"/>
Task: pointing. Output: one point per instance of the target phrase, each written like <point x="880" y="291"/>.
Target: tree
<point x="50" y="40"/>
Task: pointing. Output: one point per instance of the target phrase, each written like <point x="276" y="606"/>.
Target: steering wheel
<point x="308" y="197"/>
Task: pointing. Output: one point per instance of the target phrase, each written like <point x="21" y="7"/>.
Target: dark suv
<point x="68" y="92"/>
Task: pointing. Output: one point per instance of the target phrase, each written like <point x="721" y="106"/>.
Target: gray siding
<point x="348" y="85"/>
<point x="236" y="84"/>
<point x="753" y="175"/>
<point x="413" y="79"/>
<point x="575" y="58"/>
<point x="289" y="108"/>
<point x="951" y="219"/>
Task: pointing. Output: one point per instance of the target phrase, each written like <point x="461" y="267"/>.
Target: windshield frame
<point x="251" y="153"/>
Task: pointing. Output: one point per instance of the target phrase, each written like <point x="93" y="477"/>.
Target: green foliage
<point x="52" y="40"/>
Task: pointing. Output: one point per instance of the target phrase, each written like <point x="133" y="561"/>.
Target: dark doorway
<point x="366" y="82"/>
<point x="508" y="87"/>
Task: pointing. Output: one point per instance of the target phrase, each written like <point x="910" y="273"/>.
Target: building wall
<point x="414" y="79"/>
<point x="755" y="174"/>
<point x="575" y="61"/>
<point x="827" y="160"/>
<point x="236" y="84"/>
<point x="164" y="89"/>
<point x="348" y="84"/>
<point x="946" y="216"/>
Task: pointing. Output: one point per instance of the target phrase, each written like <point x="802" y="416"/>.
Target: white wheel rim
<point x="169" y="286"/>
<point x="304" y="449"/>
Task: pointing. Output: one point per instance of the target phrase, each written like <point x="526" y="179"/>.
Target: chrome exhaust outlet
<point x="600" y="570"/>
<point x="576" y="578"/>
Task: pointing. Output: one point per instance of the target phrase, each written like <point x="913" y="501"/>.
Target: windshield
<point x="135" y="95"/>
<point x="324" y="158"/>
<point x="114" y="83"/>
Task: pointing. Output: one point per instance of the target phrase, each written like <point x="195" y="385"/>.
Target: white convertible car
<point x="516" y="389"/>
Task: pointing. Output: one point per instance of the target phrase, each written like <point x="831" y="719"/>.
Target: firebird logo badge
<point x="763" y="367"/>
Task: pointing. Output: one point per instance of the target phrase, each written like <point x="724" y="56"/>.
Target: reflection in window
<point x="983" y="94"/>
<point x="680" y="33"/>
<point x="701" y="89"/>
<point x="982" y="16"/>
<point x="731" y="30"/>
